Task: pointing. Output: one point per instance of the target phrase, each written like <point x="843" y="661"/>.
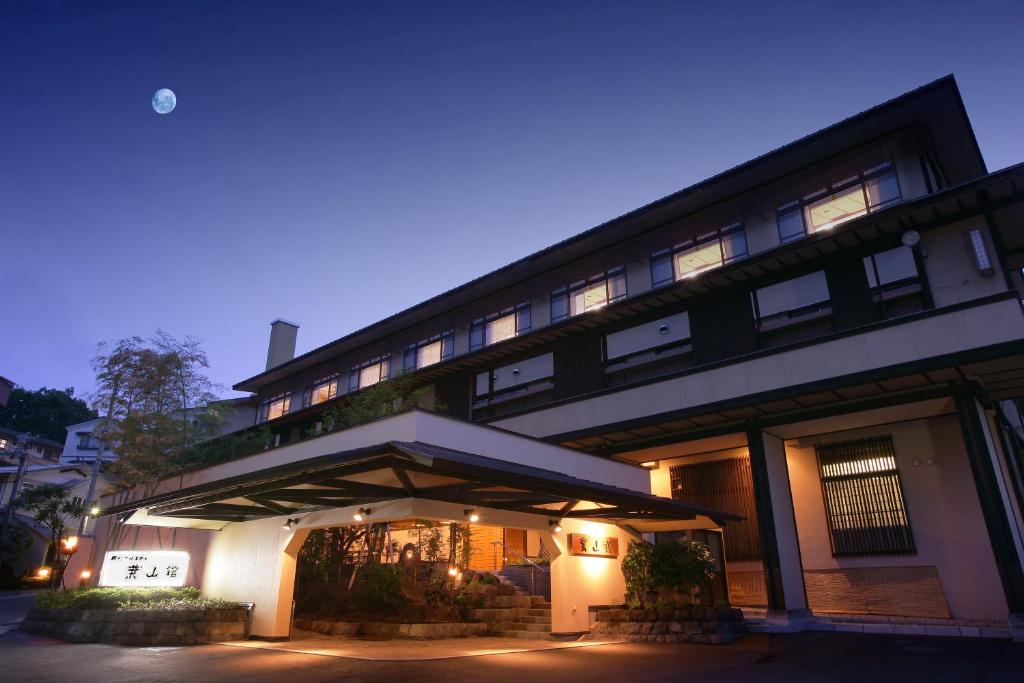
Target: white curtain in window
<point x="792" y="294"/>
<point x="501" y="329"/>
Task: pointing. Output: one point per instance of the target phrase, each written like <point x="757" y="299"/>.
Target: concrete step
<point x="534" y="628"/>
<point x="539" y="612"/>
<point x="538" y="601"/>
<point x="535" y="620"/>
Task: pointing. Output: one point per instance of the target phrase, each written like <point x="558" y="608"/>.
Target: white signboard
<point x="144" y="568"/>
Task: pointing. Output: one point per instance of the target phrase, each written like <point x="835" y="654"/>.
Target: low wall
<point x="138" y="626"/>
<point x="709" y="625"/>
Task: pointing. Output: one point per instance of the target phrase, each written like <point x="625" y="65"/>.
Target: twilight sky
<point x="333" y="163"/>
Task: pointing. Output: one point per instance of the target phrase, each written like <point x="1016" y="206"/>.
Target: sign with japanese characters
<point x="593" y="546"/>
<point x="144" y="568"/>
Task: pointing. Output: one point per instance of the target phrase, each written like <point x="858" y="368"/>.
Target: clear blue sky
<point x="334" y="163"/>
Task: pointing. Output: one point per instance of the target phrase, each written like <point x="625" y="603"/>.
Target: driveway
<point x="836" y="657"/>
<point x="14" y="606"/>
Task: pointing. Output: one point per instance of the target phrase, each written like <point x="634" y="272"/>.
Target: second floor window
<point x="322" y="390"/>
<point x="275" y="407"/>
<point x="833" y="204"/>
<point x="704" y="252"/>
<point x="369" y="373"/>
<point x="429" y="351"/>
<point x="591" y="294"/>
<point x="505" y="324"/>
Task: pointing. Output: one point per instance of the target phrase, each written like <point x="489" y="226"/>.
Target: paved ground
<point x="836" y="657"/>
<point x="14" y="606"/>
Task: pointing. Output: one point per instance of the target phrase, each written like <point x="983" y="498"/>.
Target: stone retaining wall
<point x="139" y="626"/>
<point x="377" y="629"/>
<point x="687" y="625"/>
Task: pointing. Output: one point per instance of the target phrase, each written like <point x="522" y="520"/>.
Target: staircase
<point x="514" y="613"/>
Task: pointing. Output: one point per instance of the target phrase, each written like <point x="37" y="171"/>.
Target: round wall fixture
<point x="910" y="238"/>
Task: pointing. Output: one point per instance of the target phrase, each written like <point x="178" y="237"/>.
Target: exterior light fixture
<point x="362" y="514"/>
<point x="290" y="523"/>
<point x="69" y="545"/>
<point x="471" y="515"/>
<point x="910" y="238"/>
<point x="556" y="525"/>
<point x="86" y="574"/>
<point x="663" y="329"/>
<point x="453" y="572"/>
<point x="408" y="554"/>
<point x="94" y="511"/>
<point x="981" y="253"/>
<point x="650" y="465"/>
<point x="43" y="573"/>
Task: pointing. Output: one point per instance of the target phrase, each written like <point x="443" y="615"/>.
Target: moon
<point x="164" y="101"/>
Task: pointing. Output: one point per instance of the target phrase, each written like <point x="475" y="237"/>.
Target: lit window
<point x="369" y="373"/>
<point x="864" y="503"/>
<point x="275" y="407"/>
<point x="826" y="208"/>
<point x="429" y="351"/>
<point x="695" y="256"/>
<point x="3" y="444"/>
<point x="588" y="295"/>
<point x="322" y="390"/>
<point x="497" y="327"/>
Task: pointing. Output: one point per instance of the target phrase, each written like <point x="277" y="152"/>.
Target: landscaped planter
<point x="380" y="629"/>
<point x="710" y="625"/>
<point x="139" y="626"/>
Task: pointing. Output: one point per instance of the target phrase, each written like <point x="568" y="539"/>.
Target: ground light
<point x="452" y="571"/>
<point x="86" y="574"/>
<point x="43" y="573"/>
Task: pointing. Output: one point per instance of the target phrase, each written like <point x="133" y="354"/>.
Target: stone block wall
<point x="139" y="626"/>
<point x="708" y="625"/>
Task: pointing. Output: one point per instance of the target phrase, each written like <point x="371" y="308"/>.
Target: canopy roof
<point x="401" y="469"/>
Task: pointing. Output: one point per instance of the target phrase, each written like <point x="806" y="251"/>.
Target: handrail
<point x="516" y="552"/>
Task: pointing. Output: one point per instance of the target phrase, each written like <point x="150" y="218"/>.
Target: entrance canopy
<point x="410" y="469"/>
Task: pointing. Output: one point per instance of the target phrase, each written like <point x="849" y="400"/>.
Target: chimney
<point x="282" y="342"/>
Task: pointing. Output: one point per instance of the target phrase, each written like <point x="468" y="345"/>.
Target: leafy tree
<point x="45" y="412"/>
<point x="52" y="506"/>
<point x="382" y="399"/>
<point x="157" y="400"/>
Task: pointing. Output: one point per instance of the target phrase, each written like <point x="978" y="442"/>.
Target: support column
<point x="992" y="496"/>
<point x="780" y="545"/>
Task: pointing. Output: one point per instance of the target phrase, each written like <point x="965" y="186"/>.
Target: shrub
<point x="489" y="579"/>
<point x="379" y="586"/>
<point x="669" y="567"/>
<point x="636" y="570"/>
<point x="129" y="598"/>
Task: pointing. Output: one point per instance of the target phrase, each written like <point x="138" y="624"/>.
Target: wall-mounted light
<point x="910" y="238"/>
<point x="94" y="511"/>
<point x="362" y="514"/>
<point x="471" y="515"/>
<point x="289" y="523"/>
<point x="981" y="256"/>
<point x="556" y="525"/>
<point x="650" y="465"/>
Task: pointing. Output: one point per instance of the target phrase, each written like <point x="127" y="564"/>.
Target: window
<point x="275" y="407"/>
<point x="694" y="256"/>
<point x="864" y="503"/>
<point x="791" y="298"/>
<point x="833" y="204"/>
<point x="322" y="390"/>
<point x="525" y="376"/>
<point x="4" y="444"/>
<point x="369" y="373"/>
<point x="429" y="351"/>
<point x="591" y="294"/>
<point x="86" y="442"/>
<point x="723" y="485"/>
<point x="77" y="501"/>
<point x="497" y="327"/>
<point x="648" y="342"/>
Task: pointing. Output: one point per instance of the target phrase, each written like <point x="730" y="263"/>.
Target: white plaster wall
<point x="953" y="273"/>
<point x="953" y="331"/>
<point x="942" y="504"/>
<point x="578" y="582"/>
